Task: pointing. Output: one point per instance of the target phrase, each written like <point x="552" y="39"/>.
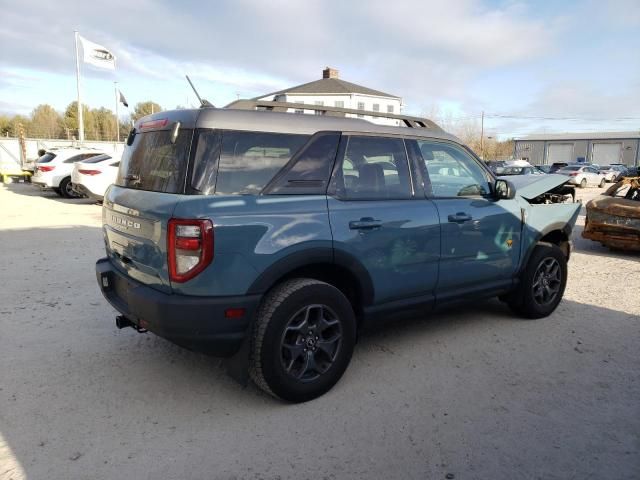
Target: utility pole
<point x="482" y="136"/>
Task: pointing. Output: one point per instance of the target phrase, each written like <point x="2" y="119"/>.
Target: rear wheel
<point x="66" y="189"/>
<point x="57" y="190"/>
<point x="302" y="340"/>
<point x="542" y="283"/>
<point x="583" y="183"/>
<point x="602" y="182"/>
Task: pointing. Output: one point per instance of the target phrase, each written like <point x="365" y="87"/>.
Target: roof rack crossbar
<point x="409" y="121"/>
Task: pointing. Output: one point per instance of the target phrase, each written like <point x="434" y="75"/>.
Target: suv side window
<point x="373" y="168"/>
<point x="308" y="171"/>
<point x="451" y="171"/>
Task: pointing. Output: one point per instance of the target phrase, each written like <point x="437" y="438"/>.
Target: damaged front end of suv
<point x="613" y="219"/>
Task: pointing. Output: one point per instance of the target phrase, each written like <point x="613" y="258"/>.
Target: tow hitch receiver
<point x="124" y="322"/>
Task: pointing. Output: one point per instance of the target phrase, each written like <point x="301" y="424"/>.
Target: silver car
<point x="611" y="172"/>
<point x="583" y="175"/>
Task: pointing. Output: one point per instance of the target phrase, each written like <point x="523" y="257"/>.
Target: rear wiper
<point x="132" y="178"/>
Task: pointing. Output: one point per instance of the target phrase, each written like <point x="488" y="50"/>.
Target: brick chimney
<point x="329" y="72"/>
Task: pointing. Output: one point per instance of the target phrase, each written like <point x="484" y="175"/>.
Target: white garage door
<point x="560" y="152"/>
<point x="606" y="153"/>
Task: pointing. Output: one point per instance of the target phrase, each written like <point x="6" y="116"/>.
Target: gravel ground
<point x="471" y="393"/>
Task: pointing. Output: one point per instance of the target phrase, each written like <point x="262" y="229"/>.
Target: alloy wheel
<point x="310" y="342"/>
<point x="547" y="281"/>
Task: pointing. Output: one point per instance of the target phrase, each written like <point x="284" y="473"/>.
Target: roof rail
<point x="409" y="121"/>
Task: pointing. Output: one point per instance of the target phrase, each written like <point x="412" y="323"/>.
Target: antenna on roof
<point x="203" y="102"/>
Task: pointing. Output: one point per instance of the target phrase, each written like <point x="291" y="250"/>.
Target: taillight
<point x="89" y="172"/>
<point x="189" y="248"/>
<point x="574" y="174"/>
<point x="46" y="168"/>
<point x="154" y="124"/>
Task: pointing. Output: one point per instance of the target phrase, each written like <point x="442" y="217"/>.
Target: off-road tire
<point x="65" y="188"/>
<point x="583" y="183"/>
<point x="274" y="315"/>
<point x="523" y="301"/>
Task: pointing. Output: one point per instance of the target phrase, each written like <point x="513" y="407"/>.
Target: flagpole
<point x="115" y="87"/>
<point x="80" y="119"/>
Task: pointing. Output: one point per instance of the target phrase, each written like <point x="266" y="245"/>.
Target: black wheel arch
<point x="334" y="267"/>
<point x="558" y="234"/>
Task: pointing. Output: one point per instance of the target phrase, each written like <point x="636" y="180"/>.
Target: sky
<point x="532" y="67"/>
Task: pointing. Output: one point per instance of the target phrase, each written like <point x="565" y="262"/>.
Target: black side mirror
<point x="504" y="190"/>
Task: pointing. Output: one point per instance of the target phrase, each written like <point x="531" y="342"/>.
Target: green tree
<point x="5" y="125"/>
<point x="145" y="108"/>
<point x="45" y="122"/>
<point x="70" y="120"/>
<point x="19" y="120"/>
<point x="105" y="123"/>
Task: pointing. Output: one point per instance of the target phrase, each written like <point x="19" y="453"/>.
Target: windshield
<point x="46" y="158"/>
<point x="153" y="163"/>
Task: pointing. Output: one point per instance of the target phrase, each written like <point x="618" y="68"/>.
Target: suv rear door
<point x="480" y="235"/>
<point x="137" y="207"/>
<point x="378" y="221"/>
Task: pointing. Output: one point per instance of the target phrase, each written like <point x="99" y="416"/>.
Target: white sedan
<point x="91" y="178"/>
<point x="53" y="169"/>
<point x="583" y="175"/>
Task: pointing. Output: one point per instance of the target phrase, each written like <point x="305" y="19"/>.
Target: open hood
<point x="532" y="186"/>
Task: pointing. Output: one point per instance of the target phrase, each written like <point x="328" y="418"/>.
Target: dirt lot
<point x="472" y="393"/>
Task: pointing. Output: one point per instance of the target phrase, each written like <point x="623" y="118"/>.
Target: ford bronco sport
<point x="274" y="237"/>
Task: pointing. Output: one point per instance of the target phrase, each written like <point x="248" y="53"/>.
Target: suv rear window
<point x="247" y="161"/>
<point x="153" y="163"/>
<point x="98" y="158"/>
<point x="46" y="158"/>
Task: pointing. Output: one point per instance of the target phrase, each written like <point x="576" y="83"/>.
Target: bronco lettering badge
<point x="124" y="222"/>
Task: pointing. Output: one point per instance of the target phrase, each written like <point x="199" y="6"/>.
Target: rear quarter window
<point x="246" y="161"/>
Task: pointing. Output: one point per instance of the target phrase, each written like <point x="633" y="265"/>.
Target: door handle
<point x="460" y="217"/>
<point x="365" y="223"/>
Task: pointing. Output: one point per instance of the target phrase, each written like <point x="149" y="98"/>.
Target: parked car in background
<point x="554" y="167"/>
<point x="496" y="166"/>
<point x="630" y="172"/>
<point x="583" y="176"/>
<point x="612" y="172"/>
<point x="91" y="178"/>
<point x="521" y="171"/>
<point x="275" y="238"/>
<point x="53" y="169"/>
<point x="613" y="218"/>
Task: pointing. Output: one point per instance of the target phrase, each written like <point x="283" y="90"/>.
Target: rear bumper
<point x="196" y="323"/>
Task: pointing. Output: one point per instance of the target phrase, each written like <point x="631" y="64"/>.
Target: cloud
<point x="426" y="51"/>
<point x="280" y="39"/>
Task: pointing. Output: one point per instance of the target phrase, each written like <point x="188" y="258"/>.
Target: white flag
<point x="97" y="55"/>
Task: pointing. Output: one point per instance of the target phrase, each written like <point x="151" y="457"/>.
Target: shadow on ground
<point x="31" y="190"/>
<point x="471" y="391"/>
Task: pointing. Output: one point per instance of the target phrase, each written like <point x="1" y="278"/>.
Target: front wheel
<point x="302" y="341"/>
<point x="542" y="283"/>
<point x="602" y="182"/>
<point x="583" y="183"/>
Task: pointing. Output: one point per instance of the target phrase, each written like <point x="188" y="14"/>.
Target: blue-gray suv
<point x="274" y="237"/>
